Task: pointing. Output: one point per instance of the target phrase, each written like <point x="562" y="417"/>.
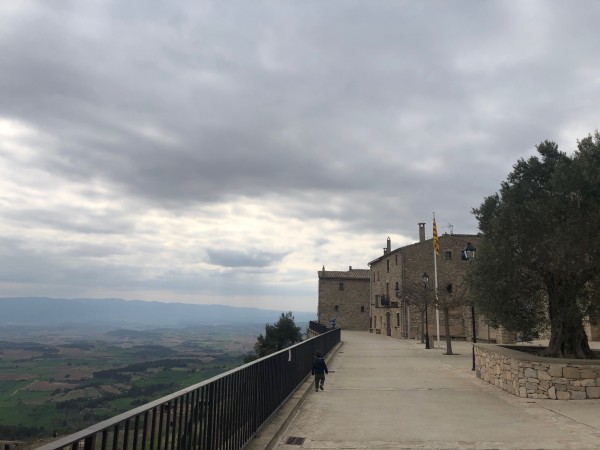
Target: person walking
<point x="319" y="369"/>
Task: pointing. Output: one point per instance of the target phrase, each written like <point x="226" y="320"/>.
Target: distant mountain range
<point x="46" y="312"/>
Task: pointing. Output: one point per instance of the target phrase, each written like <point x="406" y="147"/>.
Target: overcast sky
<point x="222" y="152"/>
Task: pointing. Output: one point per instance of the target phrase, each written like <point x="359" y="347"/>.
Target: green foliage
<point x="278" y="336"/>
<point x="538" y="261"/>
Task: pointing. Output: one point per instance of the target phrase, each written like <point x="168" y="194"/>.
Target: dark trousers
<point x="319" y="380"/>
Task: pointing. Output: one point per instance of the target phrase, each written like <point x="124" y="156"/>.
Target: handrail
<point x="223" y="412"/>
<point x="318" y="327"/>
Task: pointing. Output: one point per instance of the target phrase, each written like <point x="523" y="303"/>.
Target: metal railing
<point x="318" y="327"/>
<point x="223" y="412"/>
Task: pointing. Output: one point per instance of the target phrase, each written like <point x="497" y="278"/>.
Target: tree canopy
<point x="278" y="336"/>
<point x="538" y="262"/>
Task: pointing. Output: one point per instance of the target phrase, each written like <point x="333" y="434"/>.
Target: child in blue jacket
<point x="319" y="369"/>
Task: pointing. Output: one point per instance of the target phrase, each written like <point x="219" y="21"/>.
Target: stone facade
<point x="401" y="270"/>
<point x="530" y="376"/>
<point x="344" y="296"/>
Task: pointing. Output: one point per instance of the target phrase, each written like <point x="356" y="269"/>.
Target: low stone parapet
<point x="530" y="376"/>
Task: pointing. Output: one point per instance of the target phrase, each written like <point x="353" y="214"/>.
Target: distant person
<point x="319" y="369"/>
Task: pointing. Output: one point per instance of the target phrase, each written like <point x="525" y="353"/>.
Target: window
<point x="397" y="319"/>
<point x="337" y="307"/>
<point x="396" y="255"/>
<point x="449" y="288"/>
<point x="448" y="256"/>
<point x="341" y="286"/>
<point x="388" y="265"/>
<point x="362" y="309"/>
<point x="377" y="276"/>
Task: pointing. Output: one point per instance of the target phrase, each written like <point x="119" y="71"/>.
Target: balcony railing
<point x="223" y="412"/>
<point x="318" y="327"/>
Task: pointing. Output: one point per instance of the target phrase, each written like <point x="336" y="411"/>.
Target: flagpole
<point x="437" y="311"/>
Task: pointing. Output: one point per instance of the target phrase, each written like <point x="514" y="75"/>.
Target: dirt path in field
<point x="24" y="387"/>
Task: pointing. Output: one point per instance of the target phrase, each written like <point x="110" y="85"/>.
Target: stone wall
<point x="529" y="376"/>
<point x="344" y="296"/>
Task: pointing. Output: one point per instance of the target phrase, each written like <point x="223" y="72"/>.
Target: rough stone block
<point x="560" y="387"/>
<point x="545" y="384"/>
<point x="588" y="382"/>
<point x="555" y="370"/>
<point x="552" y="393"/>
<point x="563" y="395"/>
<point x="593" y="392"/>
<point x="530" y="373"/>
<point x="578" y="395"/>
<point x="571" y="372"/>
<point x="543" y="375"/>
<point x="588" y="374"/>
<point x="523" y="392"/>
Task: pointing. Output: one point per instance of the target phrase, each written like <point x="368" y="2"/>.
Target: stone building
<point x="398" y="293"/>
<point x="344" y="296"/>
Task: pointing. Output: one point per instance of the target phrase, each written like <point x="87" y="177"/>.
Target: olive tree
<point x="538" y="261"/>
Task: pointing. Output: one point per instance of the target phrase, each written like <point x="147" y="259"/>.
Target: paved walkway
<point x="385" y="393"/>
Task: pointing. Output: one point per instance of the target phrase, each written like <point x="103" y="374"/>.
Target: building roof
<point x="352" y="274"/>
<point x="441" y="237"/>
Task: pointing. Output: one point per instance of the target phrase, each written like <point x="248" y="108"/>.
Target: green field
<point x="76" y="378"/>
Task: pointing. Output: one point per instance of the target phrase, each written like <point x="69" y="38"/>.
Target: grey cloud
<point x="23" y="264"/>
<point x="76" y="220"/>
<point x="243" y="258"/>
<point x="323" y="108"/>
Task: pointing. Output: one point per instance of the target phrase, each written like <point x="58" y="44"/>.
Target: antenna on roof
<point x="450" y="227"/>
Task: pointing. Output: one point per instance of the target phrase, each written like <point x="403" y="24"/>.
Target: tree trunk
<point x="447" y="331"/>
<point x="567" y="335"/>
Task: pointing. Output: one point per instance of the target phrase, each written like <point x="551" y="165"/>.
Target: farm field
<point x="54" y="382"/>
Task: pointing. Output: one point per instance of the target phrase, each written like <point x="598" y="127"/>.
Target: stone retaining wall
<point x="529" y="376"/>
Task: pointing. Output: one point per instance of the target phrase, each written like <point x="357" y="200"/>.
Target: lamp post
<point x="405" y="320"/>
<point x="425" y="279"/>
<point x="469" y="253"/>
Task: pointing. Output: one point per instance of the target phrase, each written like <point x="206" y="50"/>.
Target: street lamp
<point x="425" y="279"/>
<point x="469" y="253"/>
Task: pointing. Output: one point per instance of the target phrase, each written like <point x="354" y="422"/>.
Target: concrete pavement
<point x="385" y="393"/>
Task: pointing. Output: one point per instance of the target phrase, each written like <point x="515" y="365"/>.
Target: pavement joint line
<point x="566" y="417"/>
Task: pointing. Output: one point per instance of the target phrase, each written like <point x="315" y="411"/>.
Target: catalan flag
<point x="436" y="244"/>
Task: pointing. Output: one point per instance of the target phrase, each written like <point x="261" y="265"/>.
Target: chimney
<point x="349" y="268"/>
<point x="389" y="245"/>
<point x="422" y="232"/>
